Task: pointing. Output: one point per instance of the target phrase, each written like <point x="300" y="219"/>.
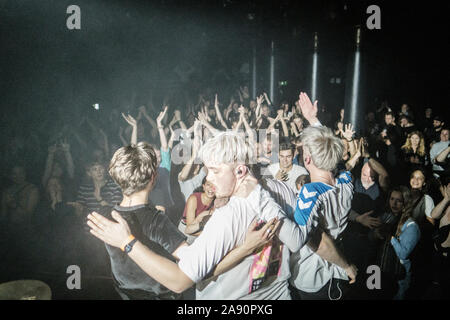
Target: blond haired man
<point x="134" y="169"/>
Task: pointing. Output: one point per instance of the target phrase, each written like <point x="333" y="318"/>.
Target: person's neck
<point x="245" y="186"/>
<point x="205" y="199"/>
<point x="100" y="182"/>
<point x="318" y="175"/>
<point x="137" y="198"/>
<point x="287" y="169"/>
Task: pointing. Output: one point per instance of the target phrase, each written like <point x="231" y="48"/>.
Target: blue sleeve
<point x="165" y="159"/>
<point x="306" y="202"/>
<point x="406" y="242"/>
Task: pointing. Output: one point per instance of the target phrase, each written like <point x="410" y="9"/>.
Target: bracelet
<point x="129" y="239"/>
<point x="160" y="127"/>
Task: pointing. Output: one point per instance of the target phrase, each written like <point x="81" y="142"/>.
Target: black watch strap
<point x="130" y="245"/>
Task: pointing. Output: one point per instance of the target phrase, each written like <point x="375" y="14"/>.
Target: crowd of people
<point x="335" y="201"/>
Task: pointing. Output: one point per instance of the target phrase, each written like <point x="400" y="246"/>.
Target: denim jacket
<point x="406" y="242"/>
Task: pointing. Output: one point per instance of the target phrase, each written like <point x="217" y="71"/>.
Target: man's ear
<point x="240" y="171"/>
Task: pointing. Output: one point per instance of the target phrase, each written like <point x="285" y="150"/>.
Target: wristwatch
<point x="129" y="246"/>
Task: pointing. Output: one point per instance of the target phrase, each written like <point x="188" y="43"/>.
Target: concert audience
<point x="392" y="150"/>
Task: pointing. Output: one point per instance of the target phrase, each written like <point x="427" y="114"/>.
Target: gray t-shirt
<point x="330" y="206"/>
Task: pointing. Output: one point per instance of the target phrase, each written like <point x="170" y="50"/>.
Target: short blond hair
<point x="325" y="148"/>
<point x="227" y="148"/>
<point x="132" y="167"/>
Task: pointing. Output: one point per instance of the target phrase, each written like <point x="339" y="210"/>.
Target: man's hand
<point x="114" y="234"/>
<point x="368" y="221"/>
<point x="281" y="175"/>
<point x="309" y="110"/>
<point x="255" y="238"/>
<point x="351" y="272"/>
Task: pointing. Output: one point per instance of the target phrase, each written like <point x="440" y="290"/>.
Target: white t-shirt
<point x="436" y="149"/>
<point x="257" y="276"/>
<point x="331" y="206"/>
<point x="292" y="174"/>
<point x="429" y="205"/>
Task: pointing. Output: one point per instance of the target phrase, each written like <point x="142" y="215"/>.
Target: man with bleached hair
<point x="328" y="200"/>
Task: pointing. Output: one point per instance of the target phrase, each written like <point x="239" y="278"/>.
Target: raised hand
<point x="348" y="132"/>
<point x="161" y="116"/>
<point x="216" y="102"/>
<point x="309" y="110"/>
<point x="177" y="115"/>
<point x="260" y="99"/>
<point x="131" y="121"/>
<point x="65" y="146"/>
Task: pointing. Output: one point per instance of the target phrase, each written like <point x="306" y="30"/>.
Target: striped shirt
<point x="328" y="206"/>
<point x="110" y="193"/>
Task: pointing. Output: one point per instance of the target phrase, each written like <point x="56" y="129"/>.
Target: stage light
<point x="314" y="70"/>
<point x="254" y="73"/>
<point x="272" y="73"/>
<point x="96" y="106"/>
<point x="355" y="85"/>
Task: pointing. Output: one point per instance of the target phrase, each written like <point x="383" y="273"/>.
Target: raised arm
<point x="251" y="133"/>
<point x="259" y="101"/>
<point x="442" y="156"/>
<point x="348" y="134"/>
<point x="69" y="161"/>
<point x="308" y="109"/>
<point x="133" y="123"/>
<point x="383" y="176"/>
<point x="283" y="123"/>
<point x="204" y="121"/>
<point x="267" y="99"/>
<point x="48" y="164"/>
<point x="439" y="209"/>
<point x="184" y="173"/>
<point x="351" y="163"/>
<point x="162" y="134"/>
<point x="218" y="113"/>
